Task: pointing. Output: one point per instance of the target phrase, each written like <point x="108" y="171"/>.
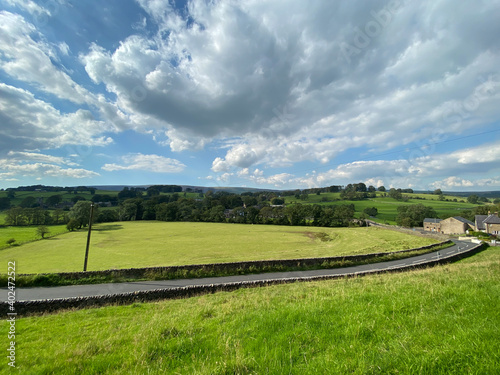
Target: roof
<point x="479" y="221"/>
<point x="431" y="220"/>
<point x="492" y="219"/>
<point x="465" y="221"/>
<point x="461" y="219"/>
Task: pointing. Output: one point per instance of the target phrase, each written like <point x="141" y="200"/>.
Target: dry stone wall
<point x="24" y="308"/>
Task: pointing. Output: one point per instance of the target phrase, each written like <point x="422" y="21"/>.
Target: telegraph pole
<point x="88" y="237"/>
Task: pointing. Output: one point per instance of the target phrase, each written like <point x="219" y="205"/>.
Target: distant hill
<point x="204" y="189"/>
<point x="486" y="194"/>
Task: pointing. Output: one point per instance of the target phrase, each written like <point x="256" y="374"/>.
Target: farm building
<point x="432" y="225"/>
<point x="456" y="225"/>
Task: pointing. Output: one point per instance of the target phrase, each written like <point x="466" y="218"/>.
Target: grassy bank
<point x="149" y="244"/>
<point x="442" y="320"/>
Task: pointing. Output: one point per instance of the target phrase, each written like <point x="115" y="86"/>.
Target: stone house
<point x="456" y="225"/>
<point x="432" y="225"/>
<point x="492" y="224"/>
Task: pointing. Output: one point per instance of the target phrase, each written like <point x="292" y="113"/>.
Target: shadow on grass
<point x="107" y="227"/>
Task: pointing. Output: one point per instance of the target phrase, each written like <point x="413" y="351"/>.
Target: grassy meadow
<point x="26" y="234"/>
<point x="154" y="243"/>
<point x="387" y="207"/>
<point x="440" y="320"/>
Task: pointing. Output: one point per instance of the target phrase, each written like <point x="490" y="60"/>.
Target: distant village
<point x="457" y="225"/>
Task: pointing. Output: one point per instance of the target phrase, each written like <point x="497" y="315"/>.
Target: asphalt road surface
<point x="40" y="293"/>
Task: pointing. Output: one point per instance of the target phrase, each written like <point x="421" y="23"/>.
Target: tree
<point x="473" y="199"/>
<point x="371" y="189"/>
<point x="73" y="224"/>
<point x="360" y="187"/>
<point x="53" y="200"/>
<point x="131" y="209"/>
<point x="414" y="215"/>
<point x="108" y="216"/>
<point x="277" y="201"/>
<point x="438" y="192"/>
<point x="395" y="194"/>
<point x="381" y="188"/>
<point x="371" y="211"/>
<point x="28" y="202"/>
<point x="217" y="214"/>
<point x="4" y="203"/>
<point x="78" y="198"/>
<point x="58" y="216"/>
<point x="16" y="216"/>
<point x="295" y="215"/>
<point x="81" y="213"/>
<point x="42" y="230"/>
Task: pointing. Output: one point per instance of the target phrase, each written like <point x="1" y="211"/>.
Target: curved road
<point x="42" y="293"/>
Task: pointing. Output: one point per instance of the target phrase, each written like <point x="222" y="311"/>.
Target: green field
<point x="441" y="320"/>
<point x="154" y="243"/>
<point x="26" y="234"/>
<point x="387" y="207"/>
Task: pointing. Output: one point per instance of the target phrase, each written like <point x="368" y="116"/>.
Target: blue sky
<point x="268" y="94"/>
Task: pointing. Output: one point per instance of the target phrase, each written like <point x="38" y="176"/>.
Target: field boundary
<point x="53" y="305"/>
<point x="211" y="269"/>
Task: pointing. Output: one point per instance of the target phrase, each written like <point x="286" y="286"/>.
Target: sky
<point x="267" y="94"/>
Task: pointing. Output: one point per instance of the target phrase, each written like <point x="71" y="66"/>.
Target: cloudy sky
<point x="270" y="94"/>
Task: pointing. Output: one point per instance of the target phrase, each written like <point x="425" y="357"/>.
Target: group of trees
<point x="414" y="215"/>
<point x="170" y="203"/>
<point x="71" y="189"/>
<point x="224" y="207"/>
<point x="34" y="216"/>
<point x="214" y="207"/>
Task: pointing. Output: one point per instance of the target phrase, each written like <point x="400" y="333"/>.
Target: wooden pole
<point x="88" y="237"/>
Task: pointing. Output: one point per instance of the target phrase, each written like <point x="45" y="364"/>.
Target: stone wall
<point x="24" y="308"/>
<point x="233" y="267"/>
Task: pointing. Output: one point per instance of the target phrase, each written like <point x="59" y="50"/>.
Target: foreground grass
<point x="443" y="320"/>
<point x="147" y="244"/>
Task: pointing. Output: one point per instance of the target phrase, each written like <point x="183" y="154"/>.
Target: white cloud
<point x="29" y="123"/>
<point x="42" y="170"/>
<point x="319" y="105"/>
<point x="421" y="171"/>
<point x="30" y="6"/>
<point x="453" y="182"/>
<point x="150" y="163"/>
<point x="30" y="61"/>
<point x="268" y="83"/>
<point x="33" y="156"/>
